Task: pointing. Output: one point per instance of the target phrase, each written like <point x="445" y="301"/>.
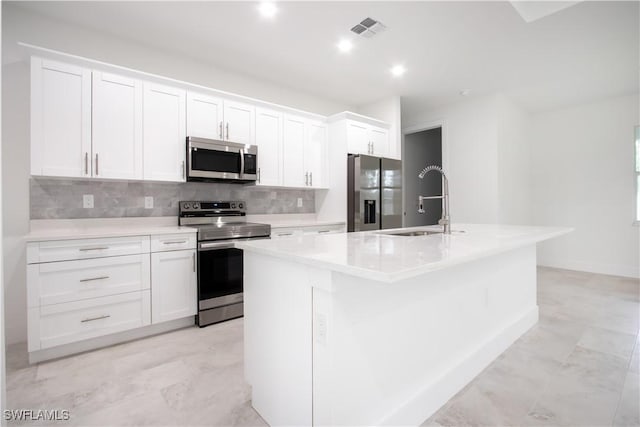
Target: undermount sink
<point x="415" y="233"/>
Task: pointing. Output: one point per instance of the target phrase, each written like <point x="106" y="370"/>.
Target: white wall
<point x="485" y="156"/>
<point x="514" y="164"/>
<point x="583" y="177"/>
<point x="390" y="111"/>
<point x="469" y="156"/>
<point x="19" y="25"/>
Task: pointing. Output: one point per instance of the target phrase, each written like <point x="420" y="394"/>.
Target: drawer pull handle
<point x="324" y="231"/>
<point x="102" y="248"/>
<point x="175" y="242"/>
<point x="91" y="319"/>
<point x="285" y="234"/>
<point x="94" y="278"/>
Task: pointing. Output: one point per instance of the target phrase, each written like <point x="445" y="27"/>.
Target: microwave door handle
<point x="241" y="162"/>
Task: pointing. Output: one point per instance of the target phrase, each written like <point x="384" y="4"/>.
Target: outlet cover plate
<point x="87" y="201"/>
<point x="148" y="202"/>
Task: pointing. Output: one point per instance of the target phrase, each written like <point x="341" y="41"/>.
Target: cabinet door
<point x="117" y="126"/>
<point x="60" y="119"/>
<point x="164" y="133"/>
<point x="269" y="142"/>
<point x="357" y="138"/>
<point x="204" y="116"/>
<point x="239" y="122"/>
<point x="315" y="153"/>
<point x="379" y="138"/>
<point x="293" y="151"/>
<point x="174" y="287"/>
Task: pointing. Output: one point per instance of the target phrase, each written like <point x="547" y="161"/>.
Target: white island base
<point x="324" y="347"/>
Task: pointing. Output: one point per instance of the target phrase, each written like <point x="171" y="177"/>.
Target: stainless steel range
<point x="220" y="224"/>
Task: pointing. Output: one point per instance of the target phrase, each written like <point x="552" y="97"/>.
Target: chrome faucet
<point x="445" y="220"/>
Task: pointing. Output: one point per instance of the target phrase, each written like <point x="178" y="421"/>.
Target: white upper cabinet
<point x="358" y="138"/>
<point x="293" y="152"/>
<point x="365" y="138"/>
<point x="60" y="119"/>
<point x="117" y="127"/>
<point x="379" y="138"/>
<point x="239" y="122"/>
<point x="315" y="153"/>
<point x="204" y="116"/>
<point x="269" y="142"/>
<point x="164" y="133"/>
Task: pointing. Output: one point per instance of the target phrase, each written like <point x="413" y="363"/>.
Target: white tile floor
<point x="578" y="367"/>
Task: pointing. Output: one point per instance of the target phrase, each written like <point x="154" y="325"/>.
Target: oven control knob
<point x="186" y="206"/>
<point x="233" y="205"/>
<point x="240" y="206"/>
<point x="196" y="206"/>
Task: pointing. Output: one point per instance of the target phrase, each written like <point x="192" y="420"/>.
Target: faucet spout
<point x="445" y="220"/>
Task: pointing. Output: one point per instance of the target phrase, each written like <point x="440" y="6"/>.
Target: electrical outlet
<point x="148" y="202"/>
<point x="299" y="202"/>
<point x="87" y="201"/>
<point x="320" y="328"/>
<point x="274" y="195"/>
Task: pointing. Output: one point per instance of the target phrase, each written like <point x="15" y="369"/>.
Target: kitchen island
<point x="375" y="328"/>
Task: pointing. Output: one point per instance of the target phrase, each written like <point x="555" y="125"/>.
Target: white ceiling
<point x="580" y="53"/>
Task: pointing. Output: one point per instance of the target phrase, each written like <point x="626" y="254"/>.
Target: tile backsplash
<point x="55" y="198"/>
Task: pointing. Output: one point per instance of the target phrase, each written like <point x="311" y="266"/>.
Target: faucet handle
<point x="420" y="205"/>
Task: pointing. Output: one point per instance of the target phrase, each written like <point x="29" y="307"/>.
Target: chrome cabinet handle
<point x="306" y="178"/>
<point x="86" y="163"/>
<point x="174" y="242"/>
<point x="373" y="147"/>
<point x="241" y="161"/>
<point x="194" y="262"/>
<point x="220" y="133"/>
<point x="183" y="169"/>
<point x="227" y="131"/>
<point x="258" y="175"/>
<point x="91" y="319"/>
<point x="323" y="231"/>
<point x="94" y="278"/>
<point x="285" y="234"/>
<point x="96" y="164"/>
<point x="311" y="179"/>
<point x="100" y="248"/>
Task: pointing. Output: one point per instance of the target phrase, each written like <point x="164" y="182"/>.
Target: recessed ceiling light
<point x="267" y="9"/>
<point x="345" y="46"/>
<point x="398" y="70"/>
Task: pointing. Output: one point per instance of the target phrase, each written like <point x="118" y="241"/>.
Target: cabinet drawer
<point x="327" y="229"/>
<point x="74" y="321"/>
<point x="60" y="282"/>
<point x="173" y="242"/>
<point x="285" y="232"/>
<point x="64" y="250"/>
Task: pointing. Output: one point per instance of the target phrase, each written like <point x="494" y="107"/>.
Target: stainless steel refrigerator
<point x="374" y="193"/>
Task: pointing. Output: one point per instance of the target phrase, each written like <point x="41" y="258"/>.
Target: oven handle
<point x="227" y="244"/>
<point x="241" y="161"/>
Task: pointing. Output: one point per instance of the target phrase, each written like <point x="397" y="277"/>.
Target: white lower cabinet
<point x="303" y="230"/>
<point x="89" y="288"/>
<point x="175" y="288"/>
<point x="59" y="324"/>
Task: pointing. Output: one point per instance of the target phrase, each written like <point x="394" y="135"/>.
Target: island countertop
<point x="380" y="256"/>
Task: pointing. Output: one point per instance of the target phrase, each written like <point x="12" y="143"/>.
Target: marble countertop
<point x="47" y="230"/>
<point x="380" y="256"/>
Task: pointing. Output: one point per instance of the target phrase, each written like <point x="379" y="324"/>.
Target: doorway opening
<point x="422" y="149"/>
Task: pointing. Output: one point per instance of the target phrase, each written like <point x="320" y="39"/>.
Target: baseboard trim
<point x="597" y="268"/>
<point x="434" y="395"/>
<point x="108" y="340"/>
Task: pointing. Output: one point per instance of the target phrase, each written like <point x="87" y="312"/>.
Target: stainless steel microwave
<point x="214" y="160"/>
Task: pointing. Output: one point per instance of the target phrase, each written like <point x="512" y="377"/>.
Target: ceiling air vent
<point x="368" y="28"/>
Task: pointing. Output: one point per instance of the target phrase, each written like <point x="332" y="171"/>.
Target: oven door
<point x="220" y="160"/>
<point x="220" y="271"/>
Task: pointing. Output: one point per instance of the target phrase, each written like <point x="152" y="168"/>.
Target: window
<point x="637" y="173"/>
